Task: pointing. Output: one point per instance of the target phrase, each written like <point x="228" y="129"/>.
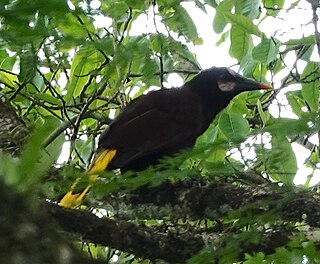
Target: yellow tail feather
<point x="100" y="163"/>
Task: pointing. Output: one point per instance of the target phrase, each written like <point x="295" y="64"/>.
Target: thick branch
<point x="197" y="202"/>
<point x="150" y="243"/>
<point x="140" y="240"/>
<point x="13" y="131"/>
<point x="29" y="236"/>
<point x="292" y="204"/>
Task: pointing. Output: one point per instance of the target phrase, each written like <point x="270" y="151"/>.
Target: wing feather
<point x="156" y="126"/>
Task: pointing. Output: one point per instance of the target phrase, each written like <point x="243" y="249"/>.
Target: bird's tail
<point x="74" y="199"/>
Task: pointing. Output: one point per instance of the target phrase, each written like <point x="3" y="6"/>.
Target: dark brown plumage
<point x="167" y="121"/>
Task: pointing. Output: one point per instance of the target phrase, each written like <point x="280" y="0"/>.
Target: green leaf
<point x="310" y="40"/>
<point x="261" y="112"/>
<point x="244" y="23"/>
<point x="240" y="41"/>
<point x="178" y="20"/>
<point x="248" y="65"/>
<point x="222" y="39"/>
<point x="233" y="126"/>
<point x="84" y="147"/>
<point x="218" y="153"/>
<point x="249" y="9"/>
<point x="306" y="52"/>
<point x="204" y="256"/>
<point x="310" y="85"/>
<point x="296" y="102"/>
<point x="266" y="51"/>
<point x="239" y="105"/>
<point x="255" y="258"/>
<point x="219" y="22"/>
<point x="9" y="79"/>
<point x="281" y="162"/>
<point x="71" y="26"/>
<point x="84" y="62"/>
<point x="288" y="127"/>
<point x="273" y="6"/>
<point x="34" y="160"/>
<point x="38" y="82"/>
<point x="52" y="152"/>
<point x="115" y="9"/>
<point x="9" y="173"/>
<point x="28" y="66"/>
<point x="48" y="98"/>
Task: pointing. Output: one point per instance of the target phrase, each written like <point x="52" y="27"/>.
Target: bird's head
<point x="218" y="85"/>
<point x="227" y="82"/>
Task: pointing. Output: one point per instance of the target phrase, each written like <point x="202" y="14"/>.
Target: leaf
<point x="71" y="27"/>
<point x="281" y="162"/>
<point x="34" y="160"/>
<point x="310" y="85"/>
<point x="296" y="102"/>
<point x="28" y="66"/>
<point x="310" y="40"/>
<point x="261" y="112"/>
<point x="9" y="79"/>
<point x="115" y="9"/>
<point x="38" y="82"/>
<point x="273" y="6"/>
<point x="233" y="126"/>
<point x="243" y="23"/>
<point x="240" y="41"/>
<point x="287" y="126"/>
<point x="204" y="256"/>
<point x="178" y="20"/>
<point x="266" y="51"/>
<point x="248" y="65"/>
<point x="48" y="98"/>
<point x="239" y="105"/>
<point x="9" y="173"/>
<point x="250" y="8"/>
<point x="219" y="22"/>
<point x="85" y="61"/>
<point x="222" y="39"/>
<point x="84" y="147"/>
<point x="52" y="152"/>
<point x="218" y="153"/>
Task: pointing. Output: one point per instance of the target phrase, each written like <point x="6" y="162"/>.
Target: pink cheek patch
<point x="226" y="86"/>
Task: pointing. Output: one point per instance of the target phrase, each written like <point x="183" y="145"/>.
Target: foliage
<point x="69" y="66"/>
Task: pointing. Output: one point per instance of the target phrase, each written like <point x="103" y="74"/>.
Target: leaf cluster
<point x="69" y="67"/>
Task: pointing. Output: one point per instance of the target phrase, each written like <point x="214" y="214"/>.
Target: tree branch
<point x="139" y="240"/>
<point x="222" y="198"/>
<point x="193" y="201"/>
<point x="13" y="131"/>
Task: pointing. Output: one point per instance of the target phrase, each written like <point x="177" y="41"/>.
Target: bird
<point x="162" y="123"/>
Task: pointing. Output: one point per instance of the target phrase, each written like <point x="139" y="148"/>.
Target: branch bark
<point x="13" y="131"/>
<point x="292" y="203"/>
<point x="123" y="235"/>
<point x="27" y="234"/>
<point x="195" y="202"/>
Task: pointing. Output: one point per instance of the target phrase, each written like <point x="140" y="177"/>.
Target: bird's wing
<point x="159" y="129"/>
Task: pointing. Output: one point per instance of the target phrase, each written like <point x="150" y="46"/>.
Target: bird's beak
<point x="263" y="86"/>
<point x="249" y="85"/>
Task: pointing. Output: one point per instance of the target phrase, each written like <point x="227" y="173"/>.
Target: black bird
<point x="163" y="122"/>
